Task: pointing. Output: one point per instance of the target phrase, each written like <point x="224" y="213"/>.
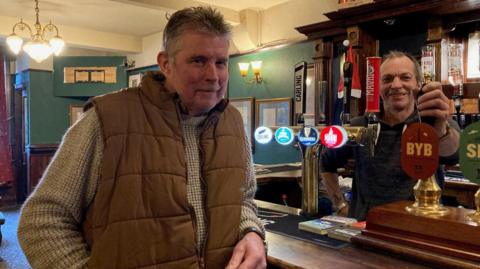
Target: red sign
<point x="419" y="153"/>
<point x="373" y="84"/>
<point x="333" y="136"/>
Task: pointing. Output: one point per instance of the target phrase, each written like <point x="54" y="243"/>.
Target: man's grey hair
<point x="398" y="54"/>
<point x="200" y="19"/>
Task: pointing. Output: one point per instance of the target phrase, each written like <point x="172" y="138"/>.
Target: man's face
<point x="198" y="72"/>
<point x="398" y="86"/>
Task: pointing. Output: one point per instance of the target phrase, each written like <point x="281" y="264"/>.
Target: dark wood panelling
<point x="406" y="25"/>
<point x="38" y="157"/>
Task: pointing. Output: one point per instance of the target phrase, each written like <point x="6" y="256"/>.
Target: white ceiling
<point x="129" y="17"/>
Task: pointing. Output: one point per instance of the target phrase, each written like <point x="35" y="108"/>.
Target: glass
<point x="428" y="63"/>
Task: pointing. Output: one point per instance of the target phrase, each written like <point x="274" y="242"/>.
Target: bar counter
<point x="287" y="252"/>
<point x="462" y="192"/>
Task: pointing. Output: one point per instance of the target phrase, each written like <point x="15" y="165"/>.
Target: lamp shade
<point x="14" y="43"/>
<point x="256" y="66"/>
<point x="243" y="69"/>
<point x="39" y="51"/>
<point x="56" y="44"/>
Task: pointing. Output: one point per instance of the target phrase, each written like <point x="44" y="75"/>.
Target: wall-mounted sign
<point x="334" y="136"/>
<point x="419" y="151"/>
<point x="263" y="135"/>
<point x="308" y="136"/>
<point x="299" y="88"/>
<point x="90" y="74"/>
<point x="470" y="152"/>
<point x="284" y="136"/>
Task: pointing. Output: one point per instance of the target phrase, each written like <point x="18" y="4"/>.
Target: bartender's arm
<point x="330" y="160"/>
<point x="330" y="181"/>
<point x="434" y="103"/>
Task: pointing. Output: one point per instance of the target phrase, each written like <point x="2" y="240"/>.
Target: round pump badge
<point x="263" y="135"/>
<point x="308" y="136"/>
<point x="470" y="152"/>
<point x="419" y="151"/>
<point x="334" y="136"/>
<point x="284" y="136"/>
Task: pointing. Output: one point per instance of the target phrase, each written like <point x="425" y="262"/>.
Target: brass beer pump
<point x="310" y="167"/>
<point x="427" y="198"/>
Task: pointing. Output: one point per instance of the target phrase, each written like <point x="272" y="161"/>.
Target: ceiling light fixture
<point x="39" y="47"/>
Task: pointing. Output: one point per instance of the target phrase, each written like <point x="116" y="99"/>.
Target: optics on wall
<point x="39" y="47"/>
<point x="256" y="67"/>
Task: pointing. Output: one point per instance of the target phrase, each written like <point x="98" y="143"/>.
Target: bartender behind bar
<point x="379" y="178"/>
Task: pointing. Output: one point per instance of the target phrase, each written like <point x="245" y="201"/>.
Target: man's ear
<point x="163" y="63"/>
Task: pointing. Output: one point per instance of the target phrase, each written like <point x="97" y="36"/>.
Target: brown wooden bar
<point x="285" y="176"/>
<point x="462" y="192"/>
<point x="287" y="252"/>
<point x="443" y="239"/>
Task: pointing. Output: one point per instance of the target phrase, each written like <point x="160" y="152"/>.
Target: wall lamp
<point x="256" y="67"/>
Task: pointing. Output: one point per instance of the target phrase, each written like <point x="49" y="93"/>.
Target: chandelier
<point x="37" y="48"/>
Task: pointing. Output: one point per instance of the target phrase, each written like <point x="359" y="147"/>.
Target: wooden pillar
<point x="323" y="72"/>
<point x="363" y="46"/>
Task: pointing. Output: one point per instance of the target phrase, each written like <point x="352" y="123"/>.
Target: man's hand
<point x="434" y="103"/>
<point x="343" y="212"/>
<point x="249" y="253"/>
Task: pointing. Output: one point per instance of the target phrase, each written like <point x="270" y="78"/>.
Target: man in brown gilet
<point x="155" y="176"/>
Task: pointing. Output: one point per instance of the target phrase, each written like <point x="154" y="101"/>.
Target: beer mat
<point x="454" y="174"/>
<point x="287" y="225"/>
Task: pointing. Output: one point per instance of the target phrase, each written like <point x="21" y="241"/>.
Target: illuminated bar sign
<point x="284" y="136"/>
<point x="308" y="136"/>
<point x="334" y="136"/>
<point x="263" y="135"/>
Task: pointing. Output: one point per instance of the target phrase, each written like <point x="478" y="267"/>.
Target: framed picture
<point x="473" y="57"/>
<point x="75" y="113"/>
<point x="134" y="80"/>
<point x="245" y="106"/>
<point x="273" y="112"/>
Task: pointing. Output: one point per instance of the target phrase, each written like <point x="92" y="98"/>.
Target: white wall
<point x="24" y="62"/>
<point x="152" y="44"/>
<point x="276" y="24"/>
<point x="279" y="22"/>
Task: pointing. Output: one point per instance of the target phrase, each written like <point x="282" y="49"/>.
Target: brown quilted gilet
<point x="140" y="216"/>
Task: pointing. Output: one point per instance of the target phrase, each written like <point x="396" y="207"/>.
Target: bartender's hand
<point x="434" y="103"/>
<point x="343" y="212"/>
<point x="249" y="253"/>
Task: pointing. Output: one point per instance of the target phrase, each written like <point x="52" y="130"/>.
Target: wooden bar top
<point x="287" y="252"/>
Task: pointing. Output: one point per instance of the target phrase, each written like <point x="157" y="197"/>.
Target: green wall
<point x="277" y="72"/>
<point x="87" y="88"/>
<point x="49" y="99"/>
<point x="48" y="114"/>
